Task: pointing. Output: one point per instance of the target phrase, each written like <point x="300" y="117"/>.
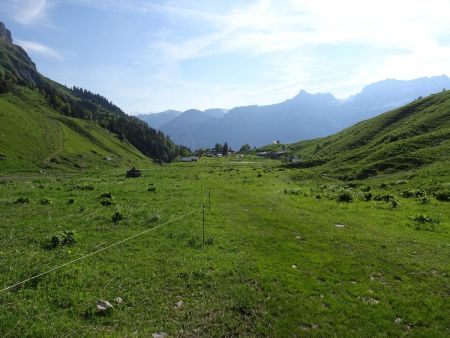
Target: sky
<point x="149" y="56"/>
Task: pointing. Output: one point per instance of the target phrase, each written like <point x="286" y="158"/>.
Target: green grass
<point x="34" y="137"/>
<point x="407" y="138"/>
<point x="353" y="281"/>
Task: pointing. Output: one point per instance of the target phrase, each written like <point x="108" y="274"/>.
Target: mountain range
<point x="305" y="116"/>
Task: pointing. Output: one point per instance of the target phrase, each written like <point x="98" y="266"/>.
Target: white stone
<point x="103" y="306"/>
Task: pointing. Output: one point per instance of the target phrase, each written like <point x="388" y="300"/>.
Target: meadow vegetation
<point x="287" y="252"/>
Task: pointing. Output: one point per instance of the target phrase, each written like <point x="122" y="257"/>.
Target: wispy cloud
<point x="26" y="12"/>
<point x="38" y="48"/>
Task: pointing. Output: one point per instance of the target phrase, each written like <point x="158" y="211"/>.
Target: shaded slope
<point x="406" y="138"/>
<point x="35" y="137"/>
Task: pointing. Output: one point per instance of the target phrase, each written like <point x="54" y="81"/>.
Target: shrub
<point x="423" y="199"/>
<point x="106" y="202"/>
<point x="394" y="203"/>
<point x="45" y="201"/>
<point x="344" y="196"/>
<point x="443" y="196"/>
<point x="63" y="239"/>
<point x="71" y="200"/>
<point x="22" y="200"/>
<point x="117" y="217"/>
<point x="151" y="188"/>
<point x="424" y="222"/>
<point x="367" y="196"/>
<point x="83" y="187"/>
<point x="407" y="194"/>
<point x="106" y="195"/>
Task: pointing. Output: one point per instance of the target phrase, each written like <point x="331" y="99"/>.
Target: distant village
<point x="225" y="151"/>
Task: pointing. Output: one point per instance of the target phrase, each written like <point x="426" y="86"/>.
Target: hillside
<point x="36" y="137"/>
<point x="305" y="116"/>
<point x="412" y="136"/>
<point x="38" y="114"/>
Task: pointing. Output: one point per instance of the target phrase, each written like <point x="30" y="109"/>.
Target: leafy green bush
<point x="443" y="196"/>
<point x="63" y="239"/>
<point x="117" y="217"/>
<point x="106" y="202"/>
<point x="424" y="222"/>
<point x="344" y="196"/>
<point x="106" y="195"/>
<point x="151" y="188"/>
<point x="71" y="200"/>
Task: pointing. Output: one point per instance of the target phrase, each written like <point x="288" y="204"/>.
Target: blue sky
<point x="148" y="56"/>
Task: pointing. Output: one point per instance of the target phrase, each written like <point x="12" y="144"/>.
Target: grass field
<point x="275" y="263"/>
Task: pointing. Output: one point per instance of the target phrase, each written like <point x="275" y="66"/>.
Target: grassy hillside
<point x="19" y="77"/>
<point x="33" y="136"/>
<point x="414" y="136"/>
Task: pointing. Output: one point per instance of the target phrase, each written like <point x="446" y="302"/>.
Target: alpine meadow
<point x="318" y="216"/>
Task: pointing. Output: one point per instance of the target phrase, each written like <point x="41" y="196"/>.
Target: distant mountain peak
<point x="5" y="34"/>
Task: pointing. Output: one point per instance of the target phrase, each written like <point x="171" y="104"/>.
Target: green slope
<point x="44" y="121"/>
<point x="411" y="137"/>
<point x="33" y="137"/>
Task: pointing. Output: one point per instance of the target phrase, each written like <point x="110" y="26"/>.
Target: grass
<point x="36" y="138"/>
<point x="406" y="138"/>
<point x="275" y="264"/>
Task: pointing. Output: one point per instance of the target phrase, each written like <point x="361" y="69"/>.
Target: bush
<point x="424" y="222"/>
<point x="443" y="196"/>
<point x="151" y="188"/>
<point x="45" y="201"/>
<point x="83" y="187"/>
<point x="106" y="202"/>
<point x="367" y="196"/>
<point x="117" y="217"/>
<point x="344" y="196"/>
<point x="106" y="195"/>
<point x="71" y="200"/>
<point x="407" y="194"/>
<point x="22" y="200"/>
<point x="63" y="239"/>
<point x="423" y="199"/>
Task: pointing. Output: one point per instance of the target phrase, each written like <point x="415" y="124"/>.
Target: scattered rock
<point x="159" y="335"/>
<point x="103" y="306"/>
<point x="3" y="157"/>
<point x="353" y="282"/>
<point x="179" y="304"/>
<point x="308" y="327"/>
<point x="294" y="266"/>
<point x="339" y="225"/>
<point x="372" y="301"/>
<point x="398" y="320"/>
<point x="119" y="300"/>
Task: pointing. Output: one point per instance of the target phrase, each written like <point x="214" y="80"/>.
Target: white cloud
<point x="35" y="47"/>
<point x="27" y="12"/>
